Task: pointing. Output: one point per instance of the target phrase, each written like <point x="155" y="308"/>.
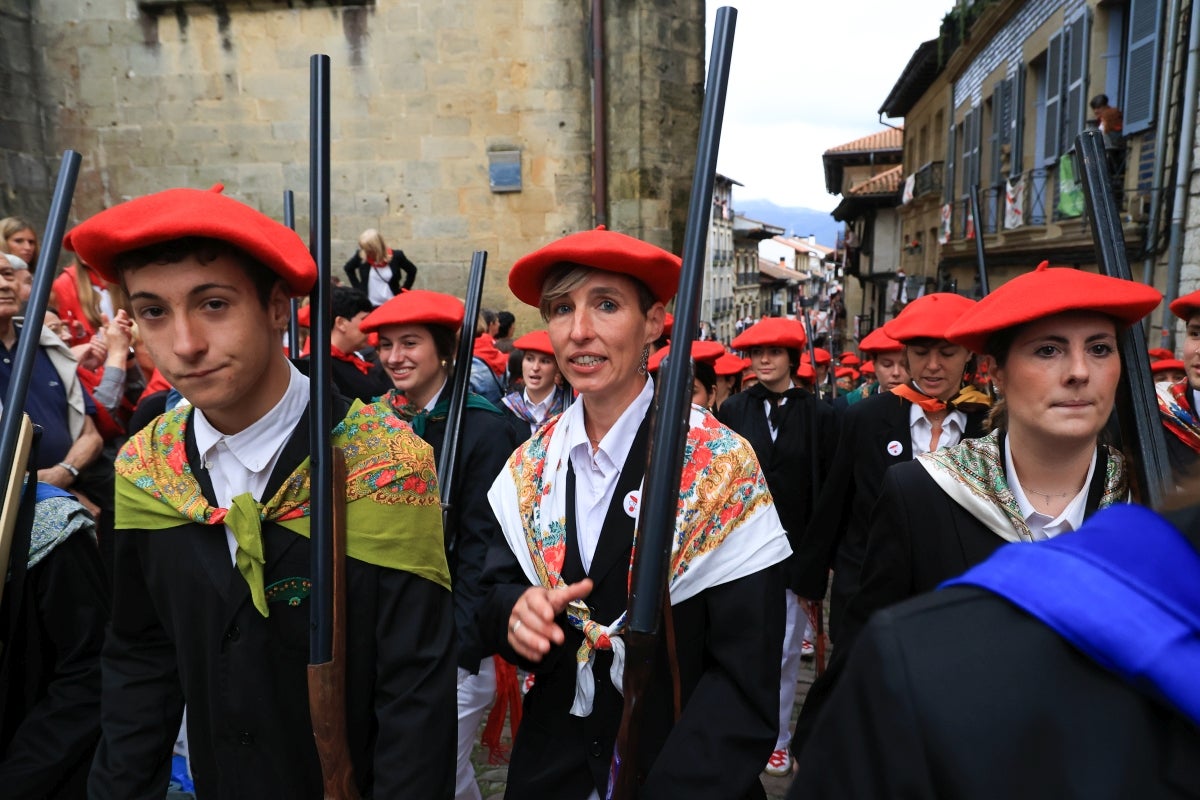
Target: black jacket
<point x="486" y="441"/>
<point x="836" y="536"/>
<point x="184" y="629"/>
<point x="960" y="694"/>
<point x="50" y="673"/>
<point x="357" y="270"/>
<point x="786" y="461"/>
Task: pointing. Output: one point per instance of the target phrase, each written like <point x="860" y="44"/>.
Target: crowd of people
<point x="1005" y="620"/>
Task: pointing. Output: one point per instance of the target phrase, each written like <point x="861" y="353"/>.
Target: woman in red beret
<point x="729" y="378"/>
<point x="1049" y="341"/>
<point x="541" y="397"/>
<point x="567" y="502"/>
<point x="417" y="333"/>
<point x="704" y="376"/>
<point x="1179" y="403"/>
<point x="778" y="418"/>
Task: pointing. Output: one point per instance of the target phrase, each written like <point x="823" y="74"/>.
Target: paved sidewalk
<point x="492" y="778"/>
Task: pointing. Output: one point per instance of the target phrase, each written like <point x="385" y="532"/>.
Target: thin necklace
<point x="1051" y="495"/>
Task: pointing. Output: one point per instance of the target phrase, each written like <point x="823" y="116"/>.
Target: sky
<point x="807" y="75"/>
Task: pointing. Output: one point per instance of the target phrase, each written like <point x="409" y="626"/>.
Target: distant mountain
<point x="799" y="222"/>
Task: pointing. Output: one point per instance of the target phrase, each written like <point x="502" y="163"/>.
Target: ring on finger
<point x="516" y="626"/>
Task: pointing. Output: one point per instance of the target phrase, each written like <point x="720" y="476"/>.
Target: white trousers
<point x="475" y="693"/>
<point x="796" y="629"/>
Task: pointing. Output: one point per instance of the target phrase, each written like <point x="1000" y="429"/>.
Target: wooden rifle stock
<point x="327" y="681"/>
<point x="668" y="430"/>
<point x="1137" y="407"/>
<point x="327" y="657"/>
<point x="447" y="468"/>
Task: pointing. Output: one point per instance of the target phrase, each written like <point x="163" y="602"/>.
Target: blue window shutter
<point x="1054" y="71"/>
<point x="1141" y="65"/>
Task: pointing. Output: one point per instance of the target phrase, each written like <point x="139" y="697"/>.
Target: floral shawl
<point x="722" y="495"/>
<point x="1177" y="415"/>
<point x="393" y="517"/>
<point x="972" y="474"/>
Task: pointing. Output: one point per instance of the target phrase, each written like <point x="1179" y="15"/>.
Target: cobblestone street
<point x="492" y="778"/>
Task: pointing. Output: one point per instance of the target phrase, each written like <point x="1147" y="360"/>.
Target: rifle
<point x="983" y="277"/>
<point x="1137" y="406"/>
<point x="14" y="425"/>
<point x="816" y="611"/>
<point x="289" y="219"/>
<point x="668" y="429"/>
<point x="447" y="467"/>
<point x="327" y="639"/>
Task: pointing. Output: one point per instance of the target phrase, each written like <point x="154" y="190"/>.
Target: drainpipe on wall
<point x="1187" y="138"/>
<point x="599" y="120"/>
<point x="1160" y="146"/>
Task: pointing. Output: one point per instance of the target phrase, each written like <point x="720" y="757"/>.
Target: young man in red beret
<point x="1179" y="404"/>
<point x="776" y="417"/>
<point x="212" y="561"/>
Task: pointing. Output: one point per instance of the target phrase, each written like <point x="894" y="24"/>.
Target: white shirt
<point x="922" y="430"/>
<point x="767" y="407"/>
<point x="538" y="410"/>
<point x="596" y="473"/>
<point x="242" y="462"/>
<point x="1042" y="526"/>
<point x="378" y="291"/>
<point x="436" y="396"/>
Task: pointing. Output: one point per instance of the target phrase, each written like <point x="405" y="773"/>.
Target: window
<point x="1141" y="67"/>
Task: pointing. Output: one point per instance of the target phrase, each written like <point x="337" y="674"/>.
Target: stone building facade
<point x="426" y="95"/>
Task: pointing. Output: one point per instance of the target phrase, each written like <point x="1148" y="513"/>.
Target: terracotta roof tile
<point x="887" y="182"/>
<point x="887" y="139"/>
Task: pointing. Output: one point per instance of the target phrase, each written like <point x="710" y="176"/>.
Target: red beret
<point x="879" y="342"/>
<point x="705" y="351"/>
<point x="849" y="360"/>
<point x="729" y="364"/>
<point x="417" y="307"/>
<point x="1187" y="306"/>
<point x="772" y="332"/>
<point x="823" y="356"/>
<point x="600" y="249"/>
<point x="846" y="372"/>
<point x="535" y="342"/>
<point x="1160" y="353"/>
<point x="928" y="317"/>
<point x="868" y="368"/>
<point x="1166" y="364"/>
<point x="304" y="316"/>
<point x="1046" y="291"/>
<point x="177" y="213"/>
<point x="806" y="373"/>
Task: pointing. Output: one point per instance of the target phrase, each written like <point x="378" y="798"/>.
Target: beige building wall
<point x="164" y="95"/>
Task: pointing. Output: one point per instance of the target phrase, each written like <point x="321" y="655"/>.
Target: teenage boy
<point x="210" y="603"/>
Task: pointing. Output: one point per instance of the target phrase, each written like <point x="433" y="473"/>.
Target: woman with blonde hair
<point x="375" y="269"/>
<point x="20" y="239"/>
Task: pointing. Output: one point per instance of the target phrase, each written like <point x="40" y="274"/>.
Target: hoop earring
<point x="644" y="367"/>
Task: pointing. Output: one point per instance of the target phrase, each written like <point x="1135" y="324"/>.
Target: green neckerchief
<point x="393" y="516"/>
<point x="419" y="417"/>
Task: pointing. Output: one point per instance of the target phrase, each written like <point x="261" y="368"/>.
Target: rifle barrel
<point x="668" y="428"/>
<point x="35" y="311"/>
<point x="321" y="370"/>
<point x="1137" y="406"/>
<point x="289" y="219"/>
<point x="447" y="467"/>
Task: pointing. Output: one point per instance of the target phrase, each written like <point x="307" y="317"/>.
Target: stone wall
<point x="24" y="177"/>
<point x="165" y="94"/>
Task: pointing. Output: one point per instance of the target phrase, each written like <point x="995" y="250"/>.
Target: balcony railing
<point x="928" y="179"/>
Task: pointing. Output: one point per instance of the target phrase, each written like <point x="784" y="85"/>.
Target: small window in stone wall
<point x="504" y="169"/>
